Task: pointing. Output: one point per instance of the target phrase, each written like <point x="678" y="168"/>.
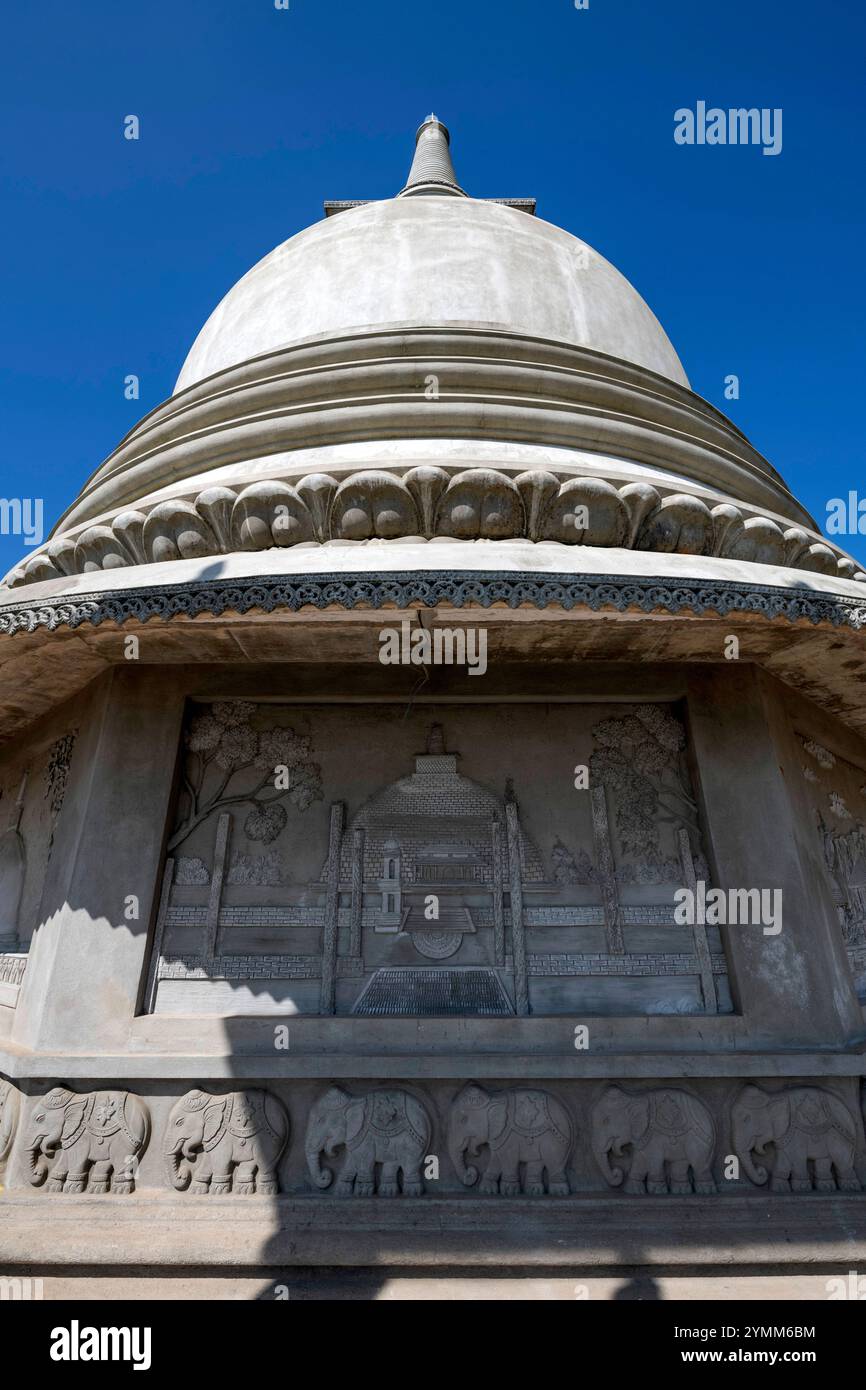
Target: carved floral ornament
<point x="425" y="503"/>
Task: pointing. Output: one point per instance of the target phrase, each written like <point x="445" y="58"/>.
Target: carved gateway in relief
<point x="432" y="896"/>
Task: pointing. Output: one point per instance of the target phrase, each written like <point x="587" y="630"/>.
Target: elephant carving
<point x="226" y="1143"/>
<point x="670" y="1136"/>
<point x="384" y="1130"/>
<point x="86" y="1143"/>
<point x="812" y="1132"/>
<point x="528" y="1135"/>
<point x="8" y="1117"/>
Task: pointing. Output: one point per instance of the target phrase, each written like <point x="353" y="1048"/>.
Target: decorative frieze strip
<point x="428" y="502"/>
<point x="642" y="915"/>
<point x="254" y="967"/>
<point x="255" y="915"/>
<point x="286" y="967"/>
<point x="518" y="1141"/>
<point x="459" y="589"/>
<point x="599" y="963"/>
<point x="12" y="968"/>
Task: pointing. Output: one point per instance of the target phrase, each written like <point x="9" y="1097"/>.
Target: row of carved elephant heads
<point x="428" y="502"/>
<point x="800" y="1138"/>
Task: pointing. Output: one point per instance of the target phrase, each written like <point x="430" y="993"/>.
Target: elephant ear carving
<point x="215" y="1121"/>
<point x="498" y="1118"/>
<point x="356" y="1119"/>
<point x="275" y="1117"/>
<point x="780" y="1116"/>
<point x="134" y="1120"/>
<point x="73" y="1120"/>
<point x="555" y="1120"/>
<point x="415" y="1117"/>
<point x="820" y="1111"/>
<point x="703" y="1122"/>
<point x="638" y="1118"/>
<point x="840" y="1117"/>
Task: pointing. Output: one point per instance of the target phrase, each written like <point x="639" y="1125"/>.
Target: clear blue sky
<point x="114" y="252"/>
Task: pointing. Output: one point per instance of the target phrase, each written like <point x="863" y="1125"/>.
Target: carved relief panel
<point x="655" y="1142"/>
<point x="800" y="1138"/>
<point x="86" y="1142"/>
<point x="470" y="860"/>
<point x="217" y="1144"/>
<point x="525" y="1135"/>
<point x="380" y="1139"/>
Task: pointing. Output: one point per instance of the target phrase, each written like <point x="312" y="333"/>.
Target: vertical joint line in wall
<point x="357" y="892"/>
<point x="702" y="947"/>
<point x="607" y="873"/>
<point x="498" y="898"/>
<point x="518" y="939"/>
<point x="156" y="957"/>
<point x="220" y="855"/>
<point x="332" y="910"/>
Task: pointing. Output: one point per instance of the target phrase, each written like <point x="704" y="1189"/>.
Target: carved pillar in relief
<point x="606" y="867"/>
<point x="357" y="891"/>
<point x="498" y="897"/>
<point x="220" y="857"/>
<point x="332" y="910"/>
<point x="518" y="938"/>
<point x="702" y="947"/>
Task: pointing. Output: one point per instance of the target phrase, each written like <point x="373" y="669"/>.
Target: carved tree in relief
<point x="222" y="745"/>
<point x="641" y="758"/>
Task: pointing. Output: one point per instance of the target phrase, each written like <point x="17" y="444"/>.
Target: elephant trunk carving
<point x="322" y="1177"/>
<point x="39" y="1161"/>
<point x="743" y="1144"/>
<point x="179" y="1174"/>
<point x="458" y="1146"/>
<point x="602" y="1148"/>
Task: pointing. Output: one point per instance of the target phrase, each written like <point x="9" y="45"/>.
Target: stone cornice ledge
<point x="430" y="588"/>
<point x="482" y="1063"/>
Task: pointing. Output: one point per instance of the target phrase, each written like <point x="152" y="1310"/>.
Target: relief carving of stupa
<point x="283" y="920"/>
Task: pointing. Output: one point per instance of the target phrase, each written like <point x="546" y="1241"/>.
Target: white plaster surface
<point x="434" y="261"/>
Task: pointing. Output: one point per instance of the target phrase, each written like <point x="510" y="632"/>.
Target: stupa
<point x="554" y="951"/>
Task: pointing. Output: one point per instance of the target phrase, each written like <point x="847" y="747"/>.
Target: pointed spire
<point x="432" y="170"/>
